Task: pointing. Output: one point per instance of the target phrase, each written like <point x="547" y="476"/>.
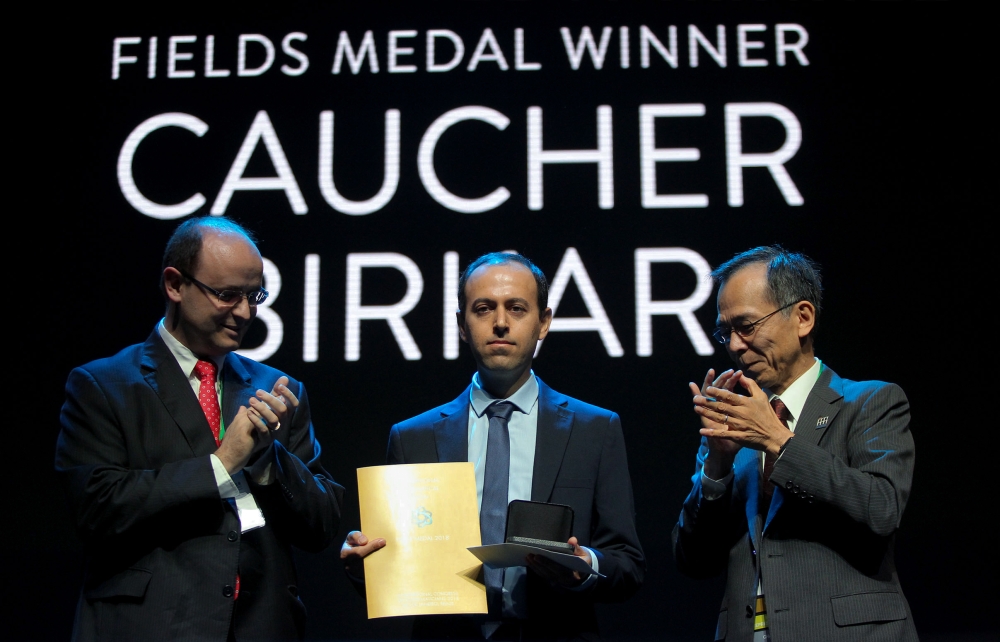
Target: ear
<point x="546" y="322"/>
<point x="805" y="314"/>
<point x="172" y="281"/>
<point x="460" y="319"/>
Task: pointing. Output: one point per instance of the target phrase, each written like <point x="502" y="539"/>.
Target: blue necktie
<point x="493" y="512"/>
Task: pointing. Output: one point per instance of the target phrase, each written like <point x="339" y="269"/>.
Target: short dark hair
<point x="184" y="246"/>
<point x="791" y="276"/>
<point x="503" y="258"/>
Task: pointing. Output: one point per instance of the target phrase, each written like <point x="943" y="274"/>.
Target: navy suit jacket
<point x="164" y="550"/>
<point x="824" y="550"/>
<point x="579" y="461"/>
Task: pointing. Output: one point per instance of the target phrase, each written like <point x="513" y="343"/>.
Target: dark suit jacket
<point x="825" y="548"/>
<point x="133" y="455"/>
<point x="579" y="461"/>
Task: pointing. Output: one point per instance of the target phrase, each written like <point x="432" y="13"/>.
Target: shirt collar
<point x="797" y="393"/>
<point x="524" y="399"/>
<point x="185" y="358"/>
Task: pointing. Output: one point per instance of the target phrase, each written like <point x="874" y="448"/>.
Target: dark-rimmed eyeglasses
<point x="723" y="333"/>
<point x="230" y="297"/>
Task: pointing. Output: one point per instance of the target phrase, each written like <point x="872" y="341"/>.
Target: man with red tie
<point x="801" y="480"/>
<point x="191" y="470"/>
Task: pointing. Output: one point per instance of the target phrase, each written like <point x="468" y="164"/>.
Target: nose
<point x="243" y="310"/>
<point x="500" y="321"/>
<point x="737" y="344"/>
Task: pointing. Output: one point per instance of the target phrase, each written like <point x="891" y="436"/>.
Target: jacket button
<point x="227" y="591"/>
<point x="749" y="611"/>
<point x="233" y="536"/>
<point x="789" y="484"/>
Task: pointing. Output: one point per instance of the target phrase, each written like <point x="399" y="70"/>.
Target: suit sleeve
<point x="109" y="496"/>
<point x="613" y="534"/>
<point x="394" y="451"/>
<point x="707" y="528"/>
<point x="872" y="484"/>
<point x="304" y="503"/>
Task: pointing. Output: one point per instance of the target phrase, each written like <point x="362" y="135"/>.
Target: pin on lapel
<point x="822" y="421"/>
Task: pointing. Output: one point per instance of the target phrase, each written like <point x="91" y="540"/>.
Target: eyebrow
<point x="517" y="299"/>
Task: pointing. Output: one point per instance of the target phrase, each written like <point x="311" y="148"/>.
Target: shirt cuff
<point x="594" y="564"/>
<point x="227" y="487"/>
<point x="713" y="489"/>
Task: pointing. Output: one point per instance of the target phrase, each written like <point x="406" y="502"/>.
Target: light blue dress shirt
<point x="523" y="429"/>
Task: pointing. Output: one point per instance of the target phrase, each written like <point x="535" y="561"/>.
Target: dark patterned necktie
<point x="781" y="412"/>
<point x="208" y="398"/>
<point x="493" y="512"/>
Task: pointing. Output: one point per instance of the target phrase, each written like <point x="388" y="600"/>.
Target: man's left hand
<point x="749" y="420"/>
<point x="557" y="573"/>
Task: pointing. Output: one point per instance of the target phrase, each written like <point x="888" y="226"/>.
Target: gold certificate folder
<point x="428" y="515"/>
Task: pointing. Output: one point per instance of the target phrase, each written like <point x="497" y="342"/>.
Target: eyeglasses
<point x="230" y="297"/>
<point x="723" y="333"/>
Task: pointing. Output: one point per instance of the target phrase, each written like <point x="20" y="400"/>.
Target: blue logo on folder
<point x="422" y="517"/>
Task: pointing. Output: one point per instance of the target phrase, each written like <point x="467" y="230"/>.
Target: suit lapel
<point x="822" y="405"/>
<point x="237" y="388"/>
<point x="555" y="423"/>
<point x="777" y="499"/>
<point x="164" y="376"/>
<point x="451" y="432"/>
<point x="746" y="475"/>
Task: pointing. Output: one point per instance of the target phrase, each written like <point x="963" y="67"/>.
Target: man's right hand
<point x="238" y="442"/>
<point x="356" y="548"/>
<point x="721" y="451"/>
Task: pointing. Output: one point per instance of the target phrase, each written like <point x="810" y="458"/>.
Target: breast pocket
<point x="578" y="494"/>
<point x="574" y="482"/>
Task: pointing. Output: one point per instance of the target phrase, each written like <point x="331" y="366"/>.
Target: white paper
<point x="250" y="515"/>
<point x="507" y="555"/>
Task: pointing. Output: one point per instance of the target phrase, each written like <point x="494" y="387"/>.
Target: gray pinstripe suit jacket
<point x="824" y="550"/>
<point x="133" y="455"/>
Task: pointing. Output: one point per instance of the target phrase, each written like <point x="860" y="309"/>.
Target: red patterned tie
<point x="207" y="396"/>
<point x="209" y="400"/>
<point x="781" y="411"/>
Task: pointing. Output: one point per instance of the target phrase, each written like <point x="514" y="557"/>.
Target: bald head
<point x="183" y="250"/>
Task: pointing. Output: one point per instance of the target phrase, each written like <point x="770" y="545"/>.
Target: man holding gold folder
<point x="527" y="442"/>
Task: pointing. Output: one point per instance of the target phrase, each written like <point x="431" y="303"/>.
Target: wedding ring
<point x="726" y="420"/>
